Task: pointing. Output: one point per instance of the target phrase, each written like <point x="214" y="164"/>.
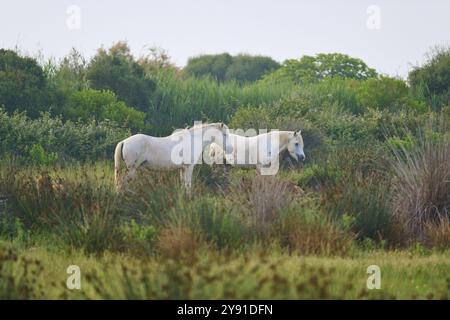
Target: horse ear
<point x="221" y="125"/>
<point x="295" y="133"/>
<point x="299" y="131"/>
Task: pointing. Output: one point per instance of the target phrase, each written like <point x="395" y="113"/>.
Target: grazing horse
<point x="261" y="151"/>
<point x="183" y="149"/>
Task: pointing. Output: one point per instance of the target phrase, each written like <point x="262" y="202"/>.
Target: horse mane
<point x="202" y="125"/>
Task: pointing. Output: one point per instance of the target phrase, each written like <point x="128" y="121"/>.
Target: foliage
<point x="91" y="104"/>
<point x="115" y="69"/>
<point x="431" y="81"/>
<point x="23" y="85"/>
<point x="374" y="185"/>
<point x="178" y="102"/>
<point x="246" y="68"/>
<point x="214" y="66"/>
<point x="70" y="140"/>
<point x="40" y="157"/>
<point x="387" y="93"/>
<point x="241" y="68"/>
<point x="310" y="69"/>
<point x="66" y="78"/>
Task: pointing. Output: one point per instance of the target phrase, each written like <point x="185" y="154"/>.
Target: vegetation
<point x="242" y="68"/>
<point x="430" y="81"/>
<point x="312" y="69"/>
<point x="374" y="188"/>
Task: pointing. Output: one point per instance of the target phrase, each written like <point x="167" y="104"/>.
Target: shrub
<point x="366" y="200"/>
<point x="386" y="93"/>
<point x="431" y="81"/>
<point x="159" y="199"/>
<point x="69" y="140"/>
<point x="89" y="104"/>
<point x="82" y="212"/>
<point x="354" y="182"/>
<point x="40" y="157"/>
<point x="178" y="242"/>
<point x="310" y="232"/>
<point x="218" y="224"/>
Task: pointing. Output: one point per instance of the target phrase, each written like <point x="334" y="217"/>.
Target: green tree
<point x="66" y="78"/>
<point x="242" y="68"/>
<point x="324" y="65"/>
<point x="432" y="80"/>
<point x="23" y="85"/>
<point x="116" y="70"/>
<point x="213" y="65"/>
<point x="247" y="68"/>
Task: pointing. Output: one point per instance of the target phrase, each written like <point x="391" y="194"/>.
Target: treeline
<point x="115" y="94"/>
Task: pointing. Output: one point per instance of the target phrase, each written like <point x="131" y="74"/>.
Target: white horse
<point x="183" y="149"/>
<point x="261" y="151"/>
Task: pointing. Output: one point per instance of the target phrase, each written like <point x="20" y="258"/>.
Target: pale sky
<point x="281" y="29"/>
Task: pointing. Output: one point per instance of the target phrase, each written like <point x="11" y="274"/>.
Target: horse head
<point x="295" y="146"/>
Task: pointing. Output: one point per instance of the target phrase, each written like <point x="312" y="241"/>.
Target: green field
<point x="40" y="272"/>
<point x="197" y="247"/>
<point x="373" y="191"/>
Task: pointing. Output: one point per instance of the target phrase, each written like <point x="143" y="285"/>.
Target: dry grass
<point x="178" y="242"/>
<point x="261" y="199"/>
<point x="314" y="233"/>
<point x="438" y="234"/>
<point x="421" y="186"/>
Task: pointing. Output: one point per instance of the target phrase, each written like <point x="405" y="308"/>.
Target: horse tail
<point x="118" y="156"/>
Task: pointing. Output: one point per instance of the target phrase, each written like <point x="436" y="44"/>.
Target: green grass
<point x="257" y="274"/>
<point x="155" y="242"/>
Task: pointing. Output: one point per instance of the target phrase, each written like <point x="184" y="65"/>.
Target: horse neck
<point x="284" y="140"/>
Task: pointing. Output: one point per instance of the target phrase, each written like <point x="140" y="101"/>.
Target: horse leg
<point x="182" y="170"/>
<point x="258" y="169"/>
<point x="188" y="177"/>
<point x="130" y="175"/>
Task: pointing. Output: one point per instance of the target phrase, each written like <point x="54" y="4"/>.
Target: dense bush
<point x="242" y="68"/>
<point x="90" y="104"/>
<point x="23" y="84"/>
<point x="66" y="78"/>
<point x="309" y="69"/>
<point x="116" y="70"/>
<point x="70" y="140"/>
<point x="387" y="93"/>
<point x="431" y="81"/>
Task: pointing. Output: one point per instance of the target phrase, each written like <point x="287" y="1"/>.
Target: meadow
<point x="374" y="189"/>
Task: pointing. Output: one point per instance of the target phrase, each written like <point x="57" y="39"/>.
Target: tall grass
<point x="78" y="208"/>
<point x="178" y="102"/>
<point x="260" y="200"/>
<point x="158" y="199"/>
<point x="421" y="186"/>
